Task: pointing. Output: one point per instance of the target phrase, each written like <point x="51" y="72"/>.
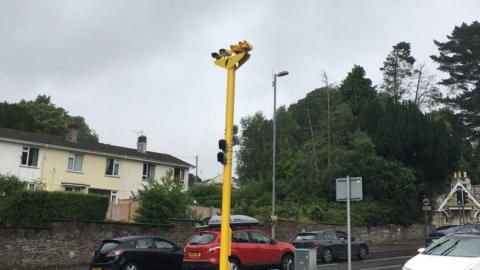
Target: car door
<point x="243" y="248"/>
<point x="332" y="242"/>
<point x="267" y="253"/>
<point x="342" y="245"/>
<point x="147" y="252"/>
<point x="168" y="255"/>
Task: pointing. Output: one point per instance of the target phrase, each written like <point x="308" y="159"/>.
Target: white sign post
<point x="349" y="189"/>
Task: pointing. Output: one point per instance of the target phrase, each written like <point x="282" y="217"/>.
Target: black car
<point x="449" y="229"/>
<point x="330" y="244"/>
<point x="137" y="253"/>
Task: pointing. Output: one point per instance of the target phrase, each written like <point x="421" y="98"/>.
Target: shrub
<point x="34" y="208"/>
<point x="164" y="200"/>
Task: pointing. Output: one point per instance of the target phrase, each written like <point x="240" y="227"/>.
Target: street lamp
<point x="274" y="83"/>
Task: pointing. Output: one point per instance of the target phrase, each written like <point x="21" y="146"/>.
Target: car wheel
<point x="287" y="262"/>
<point x="234" y="264"/>
<point x="130" y="266"/>
<point x="327" y="255"/>
<point x="362" y="252"/>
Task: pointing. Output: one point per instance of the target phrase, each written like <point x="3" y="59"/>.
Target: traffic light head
<point x="460" y="197"/>
<point x="216" y="55"/>
<point x="465" y="197"/>
<point x="222" y="144"/>
<point x="221" y="157"/>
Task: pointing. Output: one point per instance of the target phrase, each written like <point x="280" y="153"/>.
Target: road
<point x="380" y="258"/>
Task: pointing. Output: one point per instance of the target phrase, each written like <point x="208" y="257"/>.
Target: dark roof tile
<point x="90" y="146"/>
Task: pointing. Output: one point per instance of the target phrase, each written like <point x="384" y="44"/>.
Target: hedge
<point x="34" y="208"/>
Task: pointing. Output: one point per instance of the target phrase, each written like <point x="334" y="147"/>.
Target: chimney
<point x="142" y="144"/>
<point x="72" y="133"/>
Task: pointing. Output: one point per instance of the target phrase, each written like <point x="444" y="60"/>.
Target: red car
<point x="251" y="248"/>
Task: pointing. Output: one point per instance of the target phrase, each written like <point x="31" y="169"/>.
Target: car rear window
<point x="306" y="236"/>
<point x="203" y="238"/>
<point x="109" y="246"/>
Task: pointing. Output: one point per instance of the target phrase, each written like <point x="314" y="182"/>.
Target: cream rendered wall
<point x="93" y="171"/>
<point x="132" y="178"/>
<point x="10" y="158"/>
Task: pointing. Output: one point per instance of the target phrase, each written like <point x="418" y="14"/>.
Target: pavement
<point x="391" y="257"/>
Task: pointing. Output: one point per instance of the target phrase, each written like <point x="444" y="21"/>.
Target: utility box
<point x="305" y="259"/>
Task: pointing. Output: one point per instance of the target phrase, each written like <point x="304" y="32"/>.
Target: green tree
<point x="14" y="116"/>
<point x="460" y="58"/>
<point x="397" y="68"/>
<point x="162" y="200"/>
<point x="53" y="120"/>
<point x="356" y="89"/>
<point x="206" y="194"/>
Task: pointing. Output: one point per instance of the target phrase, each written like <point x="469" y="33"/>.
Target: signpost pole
<point x="349" y="233"/>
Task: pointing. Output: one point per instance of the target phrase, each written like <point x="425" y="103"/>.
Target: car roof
<point x="316" y="232"/>
<point x="130" y="238"/>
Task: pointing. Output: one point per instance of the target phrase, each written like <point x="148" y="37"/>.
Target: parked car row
<point x="250" y="248"/>
<point x="449" y="247"/>
<point x="459" y="251"/>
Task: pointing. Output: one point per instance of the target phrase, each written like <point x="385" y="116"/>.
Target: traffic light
<point x="460" y="197"/>
<point x="465" y="197"/>
<point x="236" y="141"/>
<point x="222" y="144"/>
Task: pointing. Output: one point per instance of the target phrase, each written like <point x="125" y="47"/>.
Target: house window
<point x="148" y="171"/>
<point x="30" y="186"/>
<point x="179" y="173"/>
<point x="75" y="162"/>
<point x="112" y="167"/>
<point x="113" y="197"/>
<point x="29" y="156"/>
<point x="73" y="189"/>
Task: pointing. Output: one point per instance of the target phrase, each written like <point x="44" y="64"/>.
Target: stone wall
<point x="72" y="243"/>
<point x="379" y="235"/>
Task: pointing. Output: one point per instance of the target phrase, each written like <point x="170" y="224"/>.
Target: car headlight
<point x="406" y="268"/>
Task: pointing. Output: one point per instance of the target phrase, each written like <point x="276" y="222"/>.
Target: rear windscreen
<point x="109" y="246"/>
<point x="203" y="238"/>
<point x="305" y="236"/>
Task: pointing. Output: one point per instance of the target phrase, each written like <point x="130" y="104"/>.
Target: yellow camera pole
<point x="230" y="59"/>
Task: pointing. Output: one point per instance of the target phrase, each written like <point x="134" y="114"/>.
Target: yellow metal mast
<point x="230" y="59"/>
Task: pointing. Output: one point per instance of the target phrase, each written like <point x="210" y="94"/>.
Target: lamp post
<point x="274" y="83"/>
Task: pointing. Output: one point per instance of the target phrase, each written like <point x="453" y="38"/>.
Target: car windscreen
<point x="456" y="246"/>
<point x="305" y="237"/>
<point x="109" y="246"/>
<point x="203" y="238"/>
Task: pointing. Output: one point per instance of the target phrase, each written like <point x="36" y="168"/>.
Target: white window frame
<point x="181" y="173"/>
<point x="116" y="164"/>
<point x="74" y="157"/>
<point x="150" y="171"/>
<point x="26" y="149"/>
<point x="30" y="186"/>
<point x="113" y="197"/>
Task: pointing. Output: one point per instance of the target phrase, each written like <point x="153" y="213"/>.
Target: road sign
<point x="426" y="201"/>
<point x="349" y="189"/>
<point x="427" y="208"/>
<point x="356" y="192"/>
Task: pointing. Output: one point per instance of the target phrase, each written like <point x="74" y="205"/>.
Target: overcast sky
<point x="131" y="66"/>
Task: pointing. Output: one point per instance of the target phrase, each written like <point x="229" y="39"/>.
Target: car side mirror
<point x="420" y="250"/>
<point x="273" y="241"/>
